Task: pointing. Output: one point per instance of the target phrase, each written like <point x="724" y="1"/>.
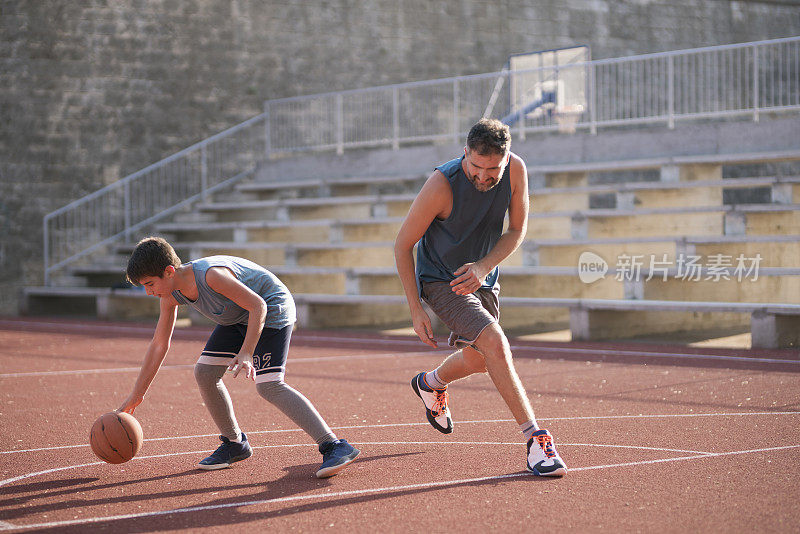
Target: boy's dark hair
<point x="489" y="136"/>
<point x="150" y="257"/>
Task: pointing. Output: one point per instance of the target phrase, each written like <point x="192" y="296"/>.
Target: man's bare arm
<point x="434" y="200"/>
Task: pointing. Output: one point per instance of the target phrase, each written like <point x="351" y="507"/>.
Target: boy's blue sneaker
<point x="227" y="453"/>
<point x="336" y="455"/>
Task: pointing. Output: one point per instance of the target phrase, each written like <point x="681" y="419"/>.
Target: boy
<point x="457" y="219"/>
<point x="254" y="312"/>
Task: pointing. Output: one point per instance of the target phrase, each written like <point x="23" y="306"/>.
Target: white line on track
<point x="88" y="371"/>
<point x="394" y="425"/>
<point x="293" y="361"/>
<point x="360" y="443"/>
<point x="571" y="350"/>
<point x="387" y="489"/>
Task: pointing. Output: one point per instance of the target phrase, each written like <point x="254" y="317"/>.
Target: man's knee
<point x="493" y="343"/>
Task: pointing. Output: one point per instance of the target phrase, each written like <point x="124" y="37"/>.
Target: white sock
<point x="238" y="438"/>
<point x="528" y="428"/>
<point x="433" y="380"/>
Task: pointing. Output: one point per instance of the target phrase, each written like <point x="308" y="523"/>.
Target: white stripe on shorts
<point x="214" y="360"/>
<point x="271" y="375"/>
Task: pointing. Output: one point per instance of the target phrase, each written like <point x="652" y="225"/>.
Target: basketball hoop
<point x="567" y="117"/>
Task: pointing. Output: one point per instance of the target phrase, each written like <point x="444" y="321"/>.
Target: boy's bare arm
<point x="222" y="280"/>
<point x="156" y="352"/>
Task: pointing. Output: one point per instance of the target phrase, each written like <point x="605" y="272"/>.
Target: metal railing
<point x="718" y="81"/>
<point x="116" y="211"/>
<point x="741" y="79"/>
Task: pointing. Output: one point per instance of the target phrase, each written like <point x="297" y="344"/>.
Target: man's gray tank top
<point x="473" y="228"/>
<point x="222" y="310"/>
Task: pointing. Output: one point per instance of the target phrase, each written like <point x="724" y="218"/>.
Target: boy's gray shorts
<point x="465" y="315"/>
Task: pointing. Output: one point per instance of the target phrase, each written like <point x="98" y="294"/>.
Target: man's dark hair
<point x="489" y="136"/>
<point x="150" y="257"/>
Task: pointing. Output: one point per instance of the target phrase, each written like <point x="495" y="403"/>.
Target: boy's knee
<point x="204" y="373"/>
<point x="271" y="389"/>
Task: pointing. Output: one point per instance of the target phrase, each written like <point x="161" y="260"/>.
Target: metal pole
<point x="592" y="99"/>
<point x="339" y="124"/>
<point x="267" y="139"/>
<point x="671" y="92"/>
<point x="126" y="212"/>
<point x="755" y="83"/>
<point x="203" y="171"/>
<point x="395" y="119"/>
<point x="46" y="252"/>
<point x="455" y="111"/>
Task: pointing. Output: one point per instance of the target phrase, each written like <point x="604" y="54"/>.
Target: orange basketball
<point x="116" y="437"/>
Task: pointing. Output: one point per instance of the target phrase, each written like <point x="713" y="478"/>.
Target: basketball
<point x="116" y="437"/>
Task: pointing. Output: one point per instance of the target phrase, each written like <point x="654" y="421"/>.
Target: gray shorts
<point x="465" y="315"/>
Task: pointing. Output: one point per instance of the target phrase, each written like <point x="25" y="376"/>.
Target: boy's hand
<point x="130" y="404"/>
<point x="243" y="362"/>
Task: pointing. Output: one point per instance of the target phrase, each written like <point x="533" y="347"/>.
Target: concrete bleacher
<point x="330" y="239"/>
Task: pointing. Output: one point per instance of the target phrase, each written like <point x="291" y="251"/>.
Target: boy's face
<point x="159" y="286"/>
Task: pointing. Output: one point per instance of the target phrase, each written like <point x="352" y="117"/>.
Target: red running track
<point x="666" y="439"/>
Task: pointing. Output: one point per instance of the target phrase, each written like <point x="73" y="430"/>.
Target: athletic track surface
<point x="657" y="439"/>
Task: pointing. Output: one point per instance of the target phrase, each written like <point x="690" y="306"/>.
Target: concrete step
<point x="763" y="285"/>
<point x="779" y="219"/>
<point x="327" y="187"/>
<point x="684" y="168"/>
<point x="773" y="325"/>
<point x="304" y="231"/>
<point x="391" y="311"/>
<point x="626" y="195"/>
<point x="352" y="207"/>
<point x="251" y="231"/>
<point x="775" y="251"/>
<point x="341" y="255"/>
<point x="102" y="303"/>
<point x="747" y="283"/>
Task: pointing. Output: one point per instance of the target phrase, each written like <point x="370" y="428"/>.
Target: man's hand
<point x="243" y="362"/>
<point x="470" y="277"/>
<point x="423" y="327"/>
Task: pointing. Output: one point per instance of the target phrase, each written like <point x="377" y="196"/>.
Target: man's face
<point x="484" y="171"/>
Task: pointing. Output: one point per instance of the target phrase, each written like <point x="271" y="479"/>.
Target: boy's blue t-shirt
<point x="220" y="309"/>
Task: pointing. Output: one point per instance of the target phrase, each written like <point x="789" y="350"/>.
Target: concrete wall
<point x="91" y="90"/>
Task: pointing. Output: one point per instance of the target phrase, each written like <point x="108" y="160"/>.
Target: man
<point x="457" y="221"/>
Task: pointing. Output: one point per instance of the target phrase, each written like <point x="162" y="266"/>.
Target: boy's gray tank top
<point x="473" y="228"/>
<point x="220" y="309"/>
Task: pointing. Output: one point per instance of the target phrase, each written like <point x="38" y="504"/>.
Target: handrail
<point x="148" y="195"/>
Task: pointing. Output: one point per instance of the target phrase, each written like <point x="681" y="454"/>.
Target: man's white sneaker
<point x="435" y="401"/>
<point x="543" y="460"/>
